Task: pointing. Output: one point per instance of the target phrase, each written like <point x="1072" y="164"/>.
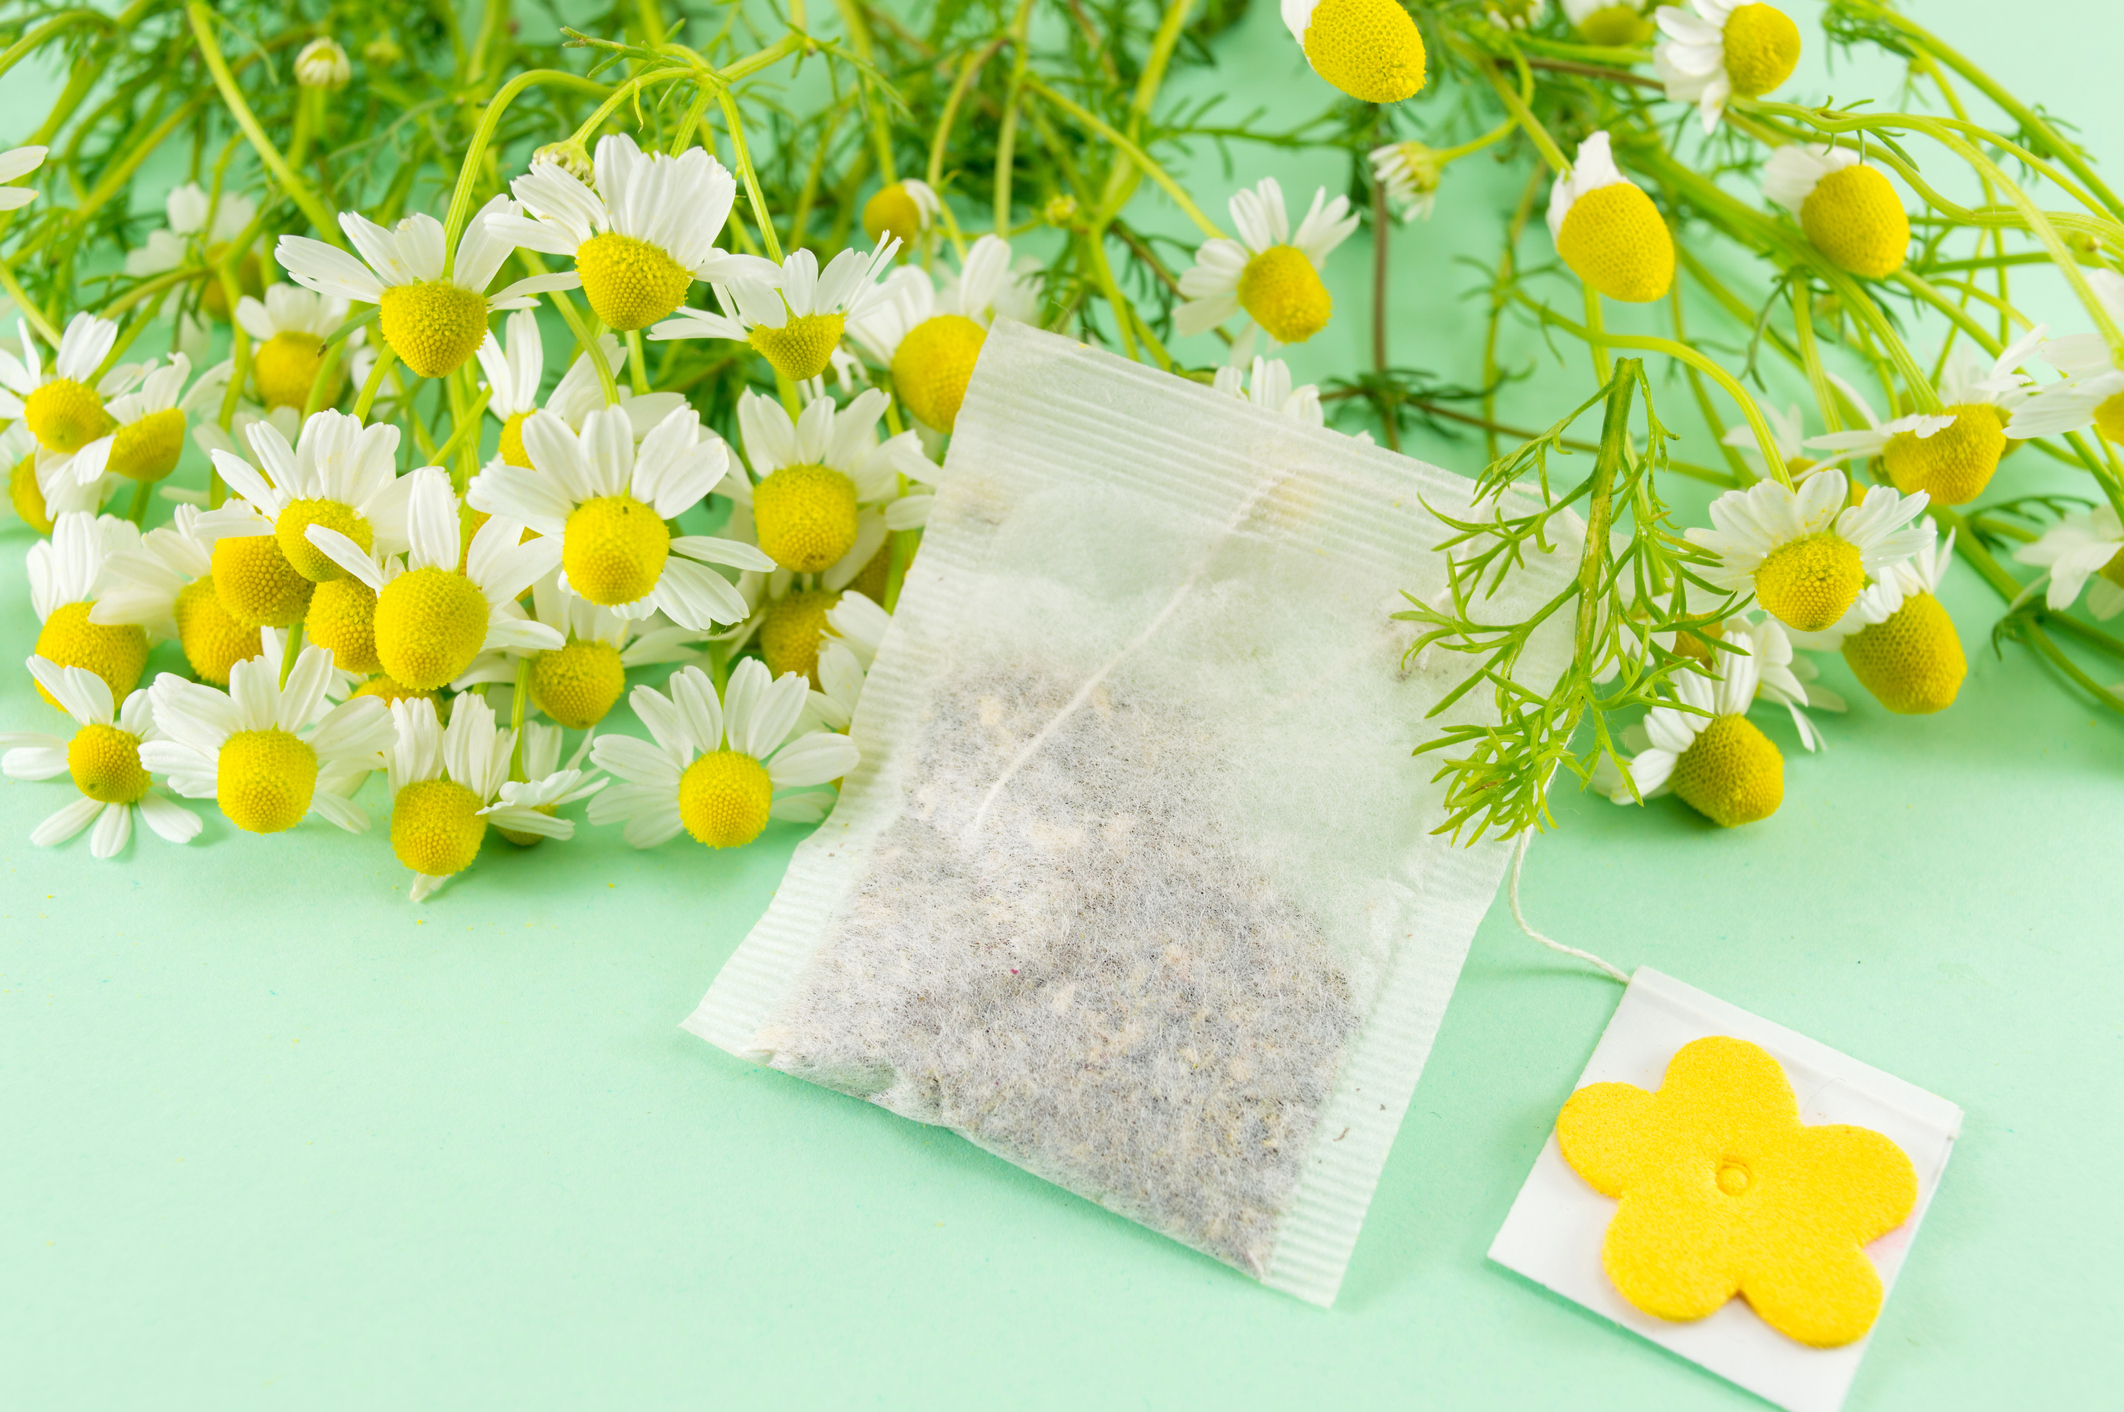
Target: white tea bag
<point x="1135" y="886"/>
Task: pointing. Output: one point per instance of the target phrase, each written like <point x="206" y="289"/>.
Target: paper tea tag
<point x="1556" y="1228"/>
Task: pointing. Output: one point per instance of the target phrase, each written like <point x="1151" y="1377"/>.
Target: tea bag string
<point x="1519" y="860"/>
<point x="1091" y="683"/>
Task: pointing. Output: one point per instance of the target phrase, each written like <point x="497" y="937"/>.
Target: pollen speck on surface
<point x="117" y="654"/>
<point x="1370" y="49"/>
<point x="105" y="764"/>
<point x="806" y="517"/>
<point x="434" y="326"/>
<point x="1809" y="583"/>
<point x="1731" y="773"/>
<point x="724" y="797"/>
<point x="932" y="366"/>
<point x="1282" y="291"/>
<point x="430" y="624"/>
<point x="614" y="549"/>
<point x="264" y="780"/>
<point x="436" y="827"/>
<point x="629" y="282"/>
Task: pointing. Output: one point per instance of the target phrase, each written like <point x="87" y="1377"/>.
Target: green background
<point x="271" y="1136"/>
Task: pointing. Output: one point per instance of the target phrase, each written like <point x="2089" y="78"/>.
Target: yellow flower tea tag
<point x="1734" y="1191"/>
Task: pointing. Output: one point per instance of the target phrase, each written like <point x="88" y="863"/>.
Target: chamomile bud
<point x="1515" y="14"/>
<point x="1849" y="211"/>
<point x="323" y="64"/>
<point x="1410" y="172"/>
<point x="1612" y="24"/>
<point x="1608" y="231"/>
<point x="1367" y="48"/>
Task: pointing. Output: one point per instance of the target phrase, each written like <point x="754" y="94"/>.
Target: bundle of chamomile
<point x="400" y="389"/>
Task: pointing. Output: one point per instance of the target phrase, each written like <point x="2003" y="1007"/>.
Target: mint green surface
<point x="272" y="1137"/>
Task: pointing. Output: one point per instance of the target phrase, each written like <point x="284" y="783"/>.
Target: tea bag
<point x="1136" y="886"/>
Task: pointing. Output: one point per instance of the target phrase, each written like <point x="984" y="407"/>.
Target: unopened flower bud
<point x="323" y="64"/>
<point x="1061" y="211"/>
<point x="571" y="157"/>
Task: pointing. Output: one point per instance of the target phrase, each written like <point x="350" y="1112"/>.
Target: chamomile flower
<point x="832" y="705"/>
<point x="323" y="64"/>
<point x="1848" y="210"/>
<point x="1782" y="675"/>
<point x="432" y="617"/>
<point x="545" y="787"/>
<point x="604" y="504"/>
<point x="147" y="424"/>
<point x="853" y="626"/>
<point x="57" y="403"/>
<point x="65" y="575"/>
<point x="1268" y="273"/>
<point x="198" y="233"/>
<point x="15" y="164"/>
<point x="1951" y="455"/>
<point x="904" y="210"/>
<point x="931" y="337"/>
<point x="821" y="504"/>
<point x="578" y="683"/>
<point x="104" y="759"/>
<point x="714" y="767"/>
<point x="1515" y="14"/>
<point x="793" y="317"/>
<point x="1369" y="49"/>
<point x="1726" y="50"/>
<point x="165" y="584"/>
<point x="269" y="754"/>
<point x="433" y="319"/>
<point x="1806" y="552"/>
<point x="446" y="785"/>
<point x="1410" y="172"/>
<point x="2079" y="550"/>
<point x="1607" y="230"/>
<point x="1268" y="384"/>
<point x="339" y="474"/>
<point x="1717" y="760"/>
<point x="1611" y="24"/>
<point x="1898" y="640"/>
<point x="2091" y="393"/>
<point x="641" y="237"/>
<point x="290" y="327"/>
<point x="515" y="365"/>
<point x="41" y="486"/>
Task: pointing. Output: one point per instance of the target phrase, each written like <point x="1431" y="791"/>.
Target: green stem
<point x="385" y="357"/>
<point x="202" y="22"/>
<point x="292" y="650"/>
<point x="637" y="363"/>
<point x="1135" y="154"/>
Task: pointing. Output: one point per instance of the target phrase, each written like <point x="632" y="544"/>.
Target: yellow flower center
<point x="1762" y="49"/>
<point x="436" y="827"/>
<point x="1283" y="292"/>
<point x="724" y="798"/>
<point x="105" y="764"/>
<point x="65" y="415"/>
<point x="27" y="496"/>
<point x="1952" y="465"/>
<point x="430" y="624"/>
<point x="1616" y="27"/>
<point x="1912" y="663"/>
<point x="435" y="326"/>
<point x="285" y="368"/>
<point x="147" y="449"/>
<point x="250" y="279"/>
<point x="1855" y="218"/>
<point x="893" y="211"/>
<point x="806" y="517"/>
<point x="529" y="840"/>
<point x="212" y="641"/>
<point x="802" y="347"/>
<point x="630" y="283"/>
<point x="117" y="654"/>
<point x="1731" y="774"/>
<point x="932" y="366"/>
<point x="578" y="684"/>
<point x="292" y="531"/>
<point x="386" y="690"/>
<point x="1367" y="48"/>
<point x="342" y="620"/>
<point x="264" y="780"/>
<point x="1809" y="583"/>
<point x="1613" y="239"/>
<point x="792" y="630"/>
<point x="257" y="584"/>
<point x="2114" y="569"/>
<point x="614" y="549"/>
<point x="511" y="449"/>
